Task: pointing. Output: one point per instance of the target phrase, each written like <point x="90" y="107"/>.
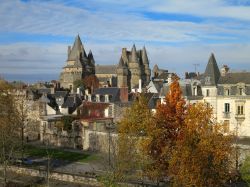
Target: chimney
<point x="89" y="97"/>
<point x="224" y="70"/>
<point x="140" y="85"/>
<point x="186" y="75"/>
<point x="124" y="94"/>
<point x="86" y="92"/>
<point x="78" y="91"/>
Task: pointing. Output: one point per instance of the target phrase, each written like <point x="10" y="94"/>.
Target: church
<point x="132" y="68"/>
<point x="79" y="65"/>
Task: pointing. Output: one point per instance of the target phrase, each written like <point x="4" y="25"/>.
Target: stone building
<point x="79" y="64"/>
<point x="133" y="66"/>
<point x="106" y="75"/>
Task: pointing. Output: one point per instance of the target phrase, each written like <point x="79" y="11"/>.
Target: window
<point x="227" y="91"/>
<point x="207" y="94"/>
<point x="240" y="91"/>
<point x="227" y="108"/>
<point x="207" y="80"/>
<point x="194" y="90"/>
<point x="240" y="110"/>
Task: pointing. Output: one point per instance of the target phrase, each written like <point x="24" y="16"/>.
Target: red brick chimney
<point x="124" y="94"/>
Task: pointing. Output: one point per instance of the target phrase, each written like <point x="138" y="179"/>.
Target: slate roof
<point x="60" y="94"/>
<point x="163" y="75"/>
<point x="105" y="69"/>
<point x="234" y="78"/>
<point x="44" y="91"/>
<point x="113" y="91"/>
<point x="77" y="47"/>
<point x="212" y="71"/>
<point x="153" y="101"/>
<point x="72" y="101"/>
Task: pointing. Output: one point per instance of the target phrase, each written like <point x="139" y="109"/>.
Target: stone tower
<point x="122" y="74"/>
<point x="79" y="64"/>
<point x="134" y="65"/>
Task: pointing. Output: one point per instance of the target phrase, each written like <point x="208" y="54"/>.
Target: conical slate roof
<point x="212" y="72"/>
<point x="144" y="56"/>
<point x="133" y="54"/>
<point x="77" y="49"/>
<point x="121" y="63"/>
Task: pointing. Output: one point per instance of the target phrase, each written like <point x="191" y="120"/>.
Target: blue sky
<point x="34" y="34"/>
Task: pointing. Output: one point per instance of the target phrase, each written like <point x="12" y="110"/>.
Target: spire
<point x="77" y="49"/>
<point x="90" y="55"/>
<point x="212" y="72"/>
<point x="133" y="55"/>
<point x="121" y="63"/>
<point x="144" y="56"/>
<point x="91" y="58"/>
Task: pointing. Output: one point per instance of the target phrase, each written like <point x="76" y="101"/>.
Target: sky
<point x="34" y="34"/>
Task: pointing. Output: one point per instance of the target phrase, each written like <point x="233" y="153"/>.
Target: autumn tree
<point x="91" y="82"/>
<point x="9" y="125"/>
<point x="164" y="131"/>
<point x="202" y="153"/>
<point x="129" y="160"/>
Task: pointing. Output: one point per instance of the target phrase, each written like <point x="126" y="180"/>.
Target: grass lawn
<point x="32" y="151"/>
<point x="245" y="170"/>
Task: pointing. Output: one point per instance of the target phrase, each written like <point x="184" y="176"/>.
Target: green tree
<point x="129" y="162"/>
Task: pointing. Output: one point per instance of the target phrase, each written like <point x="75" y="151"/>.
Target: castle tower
<point x="78" y="65"/>
<point x="122" y="74"/>
<point x="135" y="68"/>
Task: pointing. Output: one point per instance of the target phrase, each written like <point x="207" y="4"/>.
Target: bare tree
<point x="9" y="124"/>
<point x="28" y="114"/>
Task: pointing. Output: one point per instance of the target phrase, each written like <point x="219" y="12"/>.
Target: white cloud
<point x="174" y="45"/>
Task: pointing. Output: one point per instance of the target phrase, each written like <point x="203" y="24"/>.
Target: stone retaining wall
<point x="56" y="176"/>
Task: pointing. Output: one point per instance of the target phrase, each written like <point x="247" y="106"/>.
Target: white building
<point x="226" y="92"/>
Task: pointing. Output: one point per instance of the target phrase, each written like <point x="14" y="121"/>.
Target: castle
<point x="79" y="64"/>
<point x="132" y="68"/>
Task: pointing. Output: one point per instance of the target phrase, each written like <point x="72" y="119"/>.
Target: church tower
<point x="134" y="65"/>
<point x="122" y="74"/>
<point x="134" y="68"/>
<point x="78" y="64"/>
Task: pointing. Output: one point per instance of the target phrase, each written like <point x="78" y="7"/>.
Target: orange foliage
<point x="91" y="82"/>
<point x="202" y="155"/>
<point x="165" y="130"/>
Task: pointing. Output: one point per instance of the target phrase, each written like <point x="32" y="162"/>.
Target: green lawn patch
<point x="245" y="170"/>
<point x="32" y="151"/>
